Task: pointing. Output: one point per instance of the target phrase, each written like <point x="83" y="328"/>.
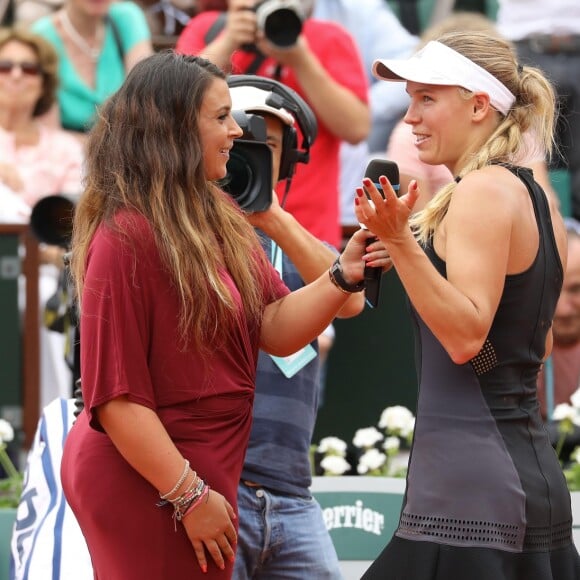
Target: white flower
<point x="397" y="420"/>
<point x="371" y="460"/>
<point x="408" y="429"/>
<point x="367" y="437"/>
<point x="391" y="445"/>
<point x="6" y="431"/>
<point x="575" y="399"/>
<point x="332" y="445"/>
<point x="334" y="465"/>
<point x="565" y="411"/>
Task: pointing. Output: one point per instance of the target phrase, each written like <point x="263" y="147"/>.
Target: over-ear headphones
<point x="283" y="97"/>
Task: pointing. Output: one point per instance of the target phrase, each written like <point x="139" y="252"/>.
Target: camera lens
<point x="240" y="176"/>
<point x="249" y="175"/>
<point x="282" y="27"/>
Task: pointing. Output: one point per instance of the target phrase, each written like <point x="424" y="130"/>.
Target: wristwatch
<point x="337" y="278"/>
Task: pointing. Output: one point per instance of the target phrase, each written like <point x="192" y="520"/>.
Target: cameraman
<point x="282" y="533"/>
<point x="323" y="66"/>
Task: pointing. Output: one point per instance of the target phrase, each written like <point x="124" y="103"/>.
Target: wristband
<point x="337" y="278"/>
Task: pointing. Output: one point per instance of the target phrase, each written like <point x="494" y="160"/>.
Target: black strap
<point x="252" y="69"/>
<point x="217" y="27"/>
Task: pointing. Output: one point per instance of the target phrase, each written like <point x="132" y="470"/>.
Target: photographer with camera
<point x="322" y="65"/>
<point x="274" y="489"/>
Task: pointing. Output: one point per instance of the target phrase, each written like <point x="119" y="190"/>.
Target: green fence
<point x="10" y="344"/>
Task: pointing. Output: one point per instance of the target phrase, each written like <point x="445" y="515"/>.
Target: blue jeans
<point x="282" y="537"/>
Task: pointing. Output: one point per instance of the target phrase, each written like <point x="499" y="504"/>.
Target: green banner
<point x="361" y="513"/>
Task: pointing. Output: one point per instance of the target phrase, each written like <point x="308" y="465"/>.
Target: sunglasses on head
<point x="27" y="68"/>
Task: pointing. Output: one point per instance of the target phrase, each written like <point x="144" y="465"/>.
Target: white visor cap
<point x="253" y="100"/>
<point x="437" y="64"/>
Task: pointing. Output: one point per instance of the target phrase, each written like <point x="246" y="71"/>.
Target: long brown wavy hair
<point x="145" y="154"/>
<point x="534" y="111"/>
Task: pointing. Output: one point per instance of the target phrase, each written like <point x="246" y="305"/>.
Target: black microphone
<point x="372" y="276"/>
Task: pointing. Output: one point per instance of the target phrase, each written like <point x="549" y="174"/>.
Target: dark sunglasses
<point x="27" y="68"/>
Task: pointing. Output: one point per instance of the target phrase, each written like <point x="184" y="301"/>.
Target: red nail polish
<point x="359" y="191"/>
<point x="356" y="201"/>
<point x="204" y="569"/>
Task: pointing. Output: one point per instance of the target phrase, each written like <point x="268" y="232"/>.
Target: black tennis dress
<point x="486" y="498"/>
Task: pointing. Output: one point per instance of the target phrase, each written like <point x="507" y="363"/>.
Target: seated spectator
<point x="36" y="161"/>
<point x="97" y="44"/>
<point x="562" y="371"/>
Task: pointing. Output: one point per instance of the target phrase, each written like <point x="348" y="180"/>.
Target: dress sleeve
<point x="116" y="307"/>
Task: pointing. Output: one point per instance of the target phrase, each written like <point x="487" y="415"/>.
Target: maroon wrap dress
<point x="131" y="346"/>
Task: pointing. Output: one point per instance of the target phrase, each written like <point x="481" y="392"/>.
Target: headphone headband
<point x="287" y="98"/>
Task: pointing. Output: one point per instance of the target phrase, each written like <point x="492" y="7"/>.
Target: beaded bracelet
<point x="180" y="509"/>
<point x="179" y="482"/>
<point x="195" y="481"/>
<point x="191" y="494"/>
<point x="194" y="504"/>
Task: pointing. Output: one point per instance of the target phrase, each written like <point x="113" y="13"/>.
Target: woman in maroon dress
<point x="176" y="299"/>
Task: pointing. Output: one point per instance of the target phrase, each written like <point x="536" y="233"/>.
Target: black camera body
<point x="280" y="20"/>
<point x="249" y="168"/>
